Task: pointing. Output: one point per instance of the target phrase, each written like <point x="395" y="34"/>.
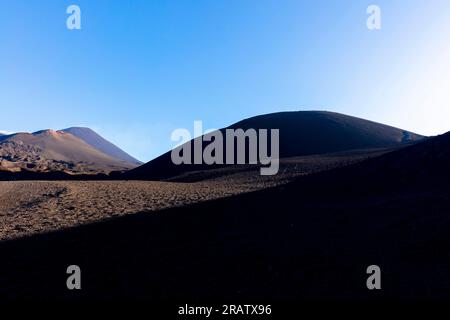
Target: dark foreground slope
<point x="301" y="133"/>
<point x="311" y="239"/>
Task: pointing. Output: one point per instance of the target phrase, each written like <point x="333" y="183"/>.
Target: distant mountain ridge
<point x="57" y="151"/>
<point x="301" y="133"/>
<point x="82" y="151"/>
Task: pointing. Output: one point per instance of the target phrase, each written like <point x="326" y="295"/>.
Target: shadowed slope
<point x="98" y="142"/>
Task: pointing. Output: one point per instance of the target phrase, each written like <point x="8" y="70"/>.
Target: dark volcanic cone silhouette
<point x="301" y="133"/>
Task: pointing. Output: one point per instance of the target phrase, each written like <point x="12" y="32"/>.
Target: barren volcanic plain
<point x="30" y="207"/>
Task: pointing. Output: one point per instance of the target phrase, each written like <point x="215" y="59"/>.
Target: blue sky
<point x="137" y="70"/>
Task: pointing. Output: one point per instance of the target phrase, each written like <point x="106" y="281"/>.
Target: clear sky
<point x="137" y="70"/>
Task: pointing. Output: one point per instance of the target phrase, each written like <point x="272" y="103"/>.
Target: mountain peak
<point x="48" y="132"/>
<point x="95" y="140"/>
<point x="76" y="128"/>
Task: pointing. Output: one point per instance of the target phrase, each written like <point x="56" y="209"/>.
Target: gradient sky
<point x="137" y="70"/>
